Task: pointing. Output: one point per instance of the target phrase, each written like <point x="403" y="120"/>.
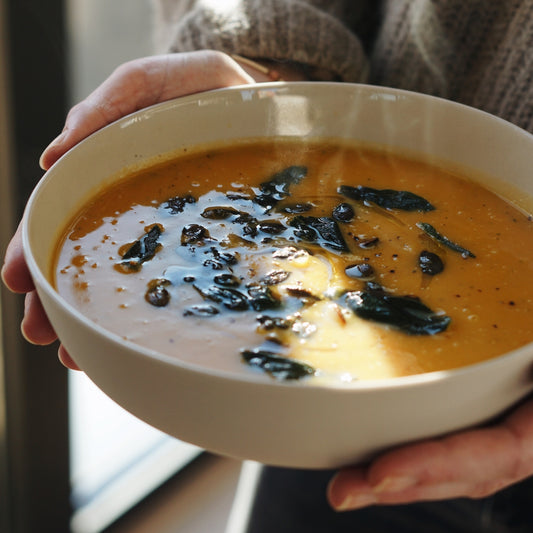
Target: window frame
<point x="35" y="440"/>
<point x="33" y="387"/>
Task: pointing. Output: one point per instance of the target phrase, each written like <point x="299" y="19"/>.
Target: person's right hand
<point x="131" y="87"/>
<point x="141" y="83"/>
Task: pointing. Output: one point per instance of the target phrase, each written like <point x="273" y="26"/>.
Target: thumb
<point x="140" y="83"/>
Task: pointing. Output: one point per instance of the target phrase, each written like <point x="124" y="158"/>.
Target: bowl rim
<point x="253" y="377"/>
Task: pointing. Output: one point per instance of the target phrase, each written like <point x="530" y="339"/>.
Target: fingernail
<point x="55" y="142"/>
<point x="395" y="484"/>
<point x="356" y="501"/>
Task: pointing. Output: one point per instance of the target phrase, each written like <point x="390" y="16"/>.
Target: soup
<point x="303" y="260"/>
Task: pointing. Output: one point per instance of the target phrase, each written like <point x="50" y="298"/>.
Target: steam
<point x="429" y="38"/>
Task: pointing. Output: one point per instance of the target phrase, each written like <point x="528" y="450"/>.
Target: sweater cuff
<point x="278" y="30"/>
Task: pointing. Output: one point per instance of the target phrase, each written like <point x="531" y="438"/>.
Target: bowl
<point x="247" y="415"/>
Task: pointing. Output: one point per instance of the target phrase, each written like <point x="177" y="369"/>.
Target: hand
<point x="139" y="84"/>
<point x="132" y="86"/>
<point x="474" y="463"/>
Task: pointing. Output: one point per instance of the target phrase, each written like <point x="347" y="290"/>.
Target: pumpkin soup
<point x="314" y="259"/>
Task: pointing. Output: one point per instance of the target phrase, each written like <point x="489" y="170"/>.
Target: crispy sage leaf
<point x="156" y="293"/>
<point x="430" y="263"/>
<point x="177" y="204"/>
<point x="434" y="234"/>
<point x="142" y="249"/>
<point x="406" y="313"/>
<point x="228" y="297"/>
<point x="277" y="187"/>
<point x="224" y="258"/>
<point x="322" y="230"/>
<point x="271" y="227"/>
<point x="262" y="297"/>
<point x="221" y="212"/>
<point x="278" y="367"/>
<point x="193" y="234"/>
<point x="387" y="198"/>
<point x="275" y="277"/>
<point x="343" y="212"/>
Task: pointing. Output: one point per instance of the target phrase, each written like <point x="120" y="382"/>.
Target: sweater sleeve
<point x="314" y="33"/>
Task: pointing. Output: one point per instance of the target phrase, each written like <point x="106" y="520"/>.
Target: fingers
<point x="35" y="325"/>
<point x="15" y="273"/>
<point x="37" y="329"/>
<point x="472" y="464"/>
<point x="139" y="84"/>
<point x="65" y="358"/>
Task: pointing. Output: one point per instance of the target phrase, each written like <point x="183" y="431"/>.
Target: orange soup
<point x="303" y="260"/>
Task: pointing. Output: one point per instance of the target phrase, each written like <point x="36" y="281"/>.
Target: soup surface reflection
<point x="303" y="260"/>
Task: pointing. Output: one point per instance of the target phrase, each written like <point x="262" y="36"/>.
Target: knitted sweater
<point x="478" y="52"/>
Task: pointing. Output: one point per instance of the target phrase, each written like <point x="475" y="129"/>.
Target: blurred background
<point x="70" y="459"/>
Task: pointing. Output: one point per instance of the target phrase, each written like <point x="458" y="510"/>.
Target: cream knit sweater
<point x="478" y="52"/>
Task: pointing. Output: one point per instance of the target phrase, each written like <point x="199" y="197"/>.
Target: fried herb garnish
<point x="434" y="234"/>
<point x="193" y="234"/>
<point x="219" y="260"/>
<point x="262" y="297"/>
<point x="321" y="230"/>
<point x="406" y="313"/>
<point x="230" y="298"/>
<point x="157" y="294"/>
<point x="142" y="249"/>
<point x="274" y="277"/>
<point x="271" y="227"/>
<point x="277" y="187"/>
<point x="220" y="212"/>
<point x="343" y="212"/>
<point x="225" y="285"/>
<point x="430" y="263"/>
<point x="177" y="204"/>
<point x="281" y="368"/>
<point x="387" y="198"/>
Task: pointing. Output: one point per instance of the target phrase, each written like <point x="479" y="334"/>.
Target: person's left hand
<point x="474" y="464"/>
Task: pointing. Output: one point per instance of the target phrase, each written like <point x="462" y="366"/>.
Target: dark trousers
<point x="294" y="501"/>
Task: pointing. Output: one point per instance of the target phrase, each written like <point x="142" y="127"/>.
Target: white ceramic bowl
<point x="247" y="415"/>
